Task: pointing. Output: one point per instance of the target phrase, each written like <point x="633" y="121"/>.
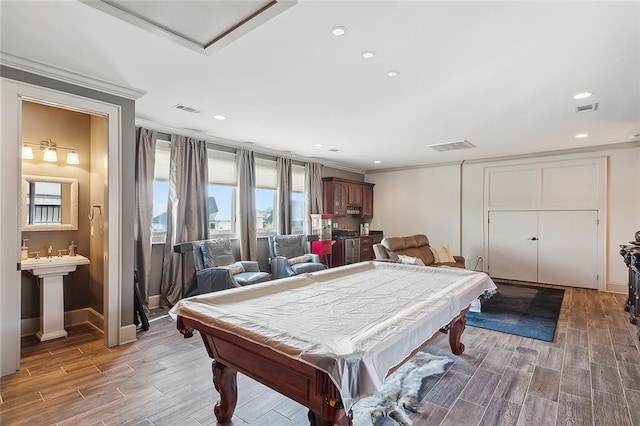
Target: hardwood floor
<point x="590" y="375"/>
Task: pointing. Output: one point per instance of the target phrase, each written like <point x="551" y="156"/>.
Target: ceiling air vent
<point x="186" y="109"/>
<point x="587" y="108"/>
<point x="452" y="146"/>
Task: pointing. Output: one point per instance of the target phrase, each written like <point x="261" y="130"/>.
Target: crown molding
<point x="228" y="143"/>
<point x="68" y="76"/>
<point x="532" y="155"/>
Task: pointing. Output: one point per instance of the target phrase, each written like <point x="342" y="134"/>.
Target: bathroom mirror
<point x="49" y="203"/>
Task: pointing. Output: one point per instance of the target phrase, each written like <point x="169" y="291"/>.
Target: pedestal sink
<point x="50" y="271"/>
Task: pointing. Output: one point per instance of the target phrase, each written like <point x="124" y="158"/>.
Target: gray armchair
<point x="290" y="256"/>
<point x="215" y="267"/>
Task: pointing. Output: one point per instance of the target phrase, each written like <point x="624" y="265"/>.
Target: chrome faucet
<point x="49" y="251"/>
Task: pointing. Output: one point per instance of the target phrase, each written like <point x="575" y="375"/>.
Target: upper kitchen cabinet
<point x="334" y="197"/>
<point x="354" y="197"/>
<point x="367" y="200"/>
<point x="344" y="197"/>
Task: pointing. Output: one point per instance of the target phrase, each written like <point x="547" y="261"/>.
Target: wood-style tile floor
<point x="590" y="375"/>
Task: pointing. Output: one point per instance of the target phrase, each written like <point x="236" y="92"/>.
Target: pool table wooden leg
<point x="316" y="420"/>
<point x="456" y="328"/>
<point x="225" y="381"/>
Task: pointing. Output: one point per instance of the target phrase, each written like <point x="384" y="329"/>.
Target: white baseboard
<point x="618" y="288"/>
<point x="31" y="326"/>
<point x="127" y="334"/>
<point x="154" y="301"/>
<point x="96" y="319"/>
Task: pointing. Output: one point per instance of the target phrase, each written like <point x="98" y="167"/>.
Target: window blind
<point x="266" y="174"/>
<point x="161" y="166"/>
<point x="222" y="167"/>
<point x="297" y="178"/>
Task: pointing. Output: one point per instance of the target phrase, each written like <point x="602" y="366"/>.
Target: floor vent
<point x="186" y="109"/>
<point x="586" y="108"/>
<point x="452" y="146"/>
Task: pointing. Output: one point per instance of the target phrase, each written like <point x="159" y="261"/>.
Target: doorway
<point x="13" y="95"/>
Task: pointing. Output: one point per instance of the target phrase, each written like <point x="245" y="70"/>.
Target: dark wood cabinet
<point x="335" y="198"/>
<point x="343" y="197"/>
<point x="337" y="253"/>
<point x="367" y="201"/>
<point x="365" y="249"/>
<point x="354" y="195"/>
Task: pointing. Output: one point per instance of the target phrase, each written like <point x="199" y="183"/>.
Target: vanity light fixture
<point x="582" y="95"/>
<point x="49" y="152"/>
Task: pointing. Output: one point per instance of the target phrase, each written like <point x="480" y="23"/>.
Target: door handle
<point x="532" y="239"/>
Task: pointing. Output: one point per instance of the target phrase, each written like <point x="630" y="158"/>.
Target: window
<point x="223" y="180"/>
<point x="266" y="185"/>
<point x="221" y="208"/>
<point x="298" y="204"/>
<point x="160" y="191"/>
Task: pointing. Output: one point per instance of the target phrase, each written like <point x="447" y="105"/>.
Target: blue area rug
<point x="521" y="310"/>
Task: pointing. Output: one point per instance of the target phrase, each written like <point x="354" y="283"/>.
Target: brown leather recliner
<point x="414" y="246"/>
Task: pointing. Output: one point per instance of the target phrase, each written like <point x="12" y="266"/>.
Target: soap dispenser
<point x="72" y="249"/>
<point x="24" y="250"/>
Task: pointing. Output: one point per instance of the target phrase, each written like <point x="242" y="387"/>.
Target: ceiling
<point x="501" y="75"/>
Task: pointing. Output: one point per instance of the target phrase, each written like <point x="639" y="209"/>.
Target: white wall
<point x="426" y="201"/>
<point x="419" y="201"/>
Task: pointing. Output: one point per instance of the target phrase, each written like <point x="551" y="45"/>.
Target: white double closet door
<point x="553" y="247"/>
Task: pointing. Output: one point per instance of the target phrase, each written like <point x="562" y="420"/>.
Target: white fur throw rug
<point x="398" y="393"/>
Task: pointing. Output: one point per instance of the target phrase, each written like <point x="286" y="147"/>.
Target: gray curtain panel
<point x="145" y="161"/>
<point x="187" y="210"/>
<point x="247" y="204"/>
<point x="283" y="196"/>
<point x="313" y="189"/>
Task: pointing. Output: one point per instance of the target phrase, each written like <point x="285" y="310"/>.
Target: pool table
<point x="327" y="338"/>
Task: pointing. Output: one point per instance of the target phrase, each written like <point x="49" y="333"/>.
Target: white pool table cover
<point x="354" y="322"/>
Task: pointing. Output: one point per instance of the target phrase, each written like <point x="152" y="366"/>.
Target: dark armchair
<point x="290" y="256"/>
<point x="215" y="267"/>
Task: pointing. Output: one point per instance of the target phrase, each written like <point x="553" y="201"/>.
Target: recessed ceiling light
<point x="581" y="135"/>
<point x="393" y="73"/>
<point x="318" y="145"/>
<point x="335" y="150"/>
<point x="377" y="162"/>
<point x="219" y="117"/>
<point x="368" y="54"/>
<point x="582" y="95"/>
<point x="338" y="31"/>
